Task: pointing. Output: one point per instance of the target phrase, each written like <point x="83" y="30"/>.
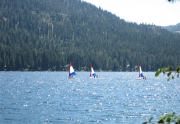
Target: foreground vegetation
<point x="169" y="71"/>
<point x="167" y="119"/>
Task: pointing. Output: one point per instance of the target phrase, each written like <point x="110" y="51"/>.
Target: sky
<point x="157" y="12"/>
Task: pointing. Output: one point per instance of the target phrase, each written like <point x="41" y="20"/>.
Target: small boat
<point x="92" y="73"/>
<point x="140" y="75"/>
<point x="72" y="73"/>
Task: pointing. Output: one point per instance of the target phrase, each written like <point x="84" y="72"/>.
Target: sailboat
<point x="72" y="73"/>
<point x="140" y="75"/>
<point x="92" y="73"/>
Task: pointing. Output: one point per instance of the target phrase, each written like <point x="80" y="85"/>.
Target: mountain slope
<point x="48" y="34"/>
<point x="173" y="28"/>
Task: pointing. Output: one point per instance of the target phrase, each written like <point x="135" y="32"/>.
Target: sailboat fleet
<point x="72" y="73"/>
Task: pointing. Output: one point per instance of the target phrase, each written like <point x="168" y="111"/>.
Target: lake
<point x="113" y="98"/>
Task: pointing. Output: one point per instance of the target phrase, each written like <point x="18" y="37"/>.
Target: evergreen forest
<point x="46" y="35"/>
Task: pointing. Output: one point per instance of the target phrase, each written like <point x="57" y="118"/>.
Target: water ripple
<point x="50" y="97"/>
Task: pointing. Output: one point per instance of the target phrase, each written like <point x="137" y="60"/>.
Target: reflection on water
<point x="115" y="97"/>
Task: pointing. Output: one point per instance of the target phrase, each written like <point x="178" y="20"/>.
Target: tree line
<point x="46" y="35"/>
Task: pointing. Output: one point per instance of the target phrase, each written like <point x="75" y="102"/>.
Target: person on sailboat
<point x="70" y="76"/>
<point x="96" y="76"/>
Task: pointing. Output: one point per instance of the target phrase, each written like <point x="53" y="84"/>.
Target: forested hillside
<point x="40" y="35"/>
<point x="173" y="28"/>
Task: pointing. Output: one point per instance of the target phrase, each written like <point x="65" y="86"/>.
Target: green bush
<point x="169" y="71"/>
<point x="167" y="119"/>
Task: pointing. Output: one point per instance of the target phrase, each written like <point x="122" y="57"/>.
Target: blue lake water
<point x="113" y="98"/>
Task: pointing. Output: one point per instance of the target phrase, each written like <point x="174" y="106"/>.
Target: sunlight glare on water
<point x="115" y="97"/>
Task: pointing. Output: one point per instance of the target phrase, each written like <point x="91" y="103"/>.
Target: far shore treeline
<point x="41" y="35"/>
